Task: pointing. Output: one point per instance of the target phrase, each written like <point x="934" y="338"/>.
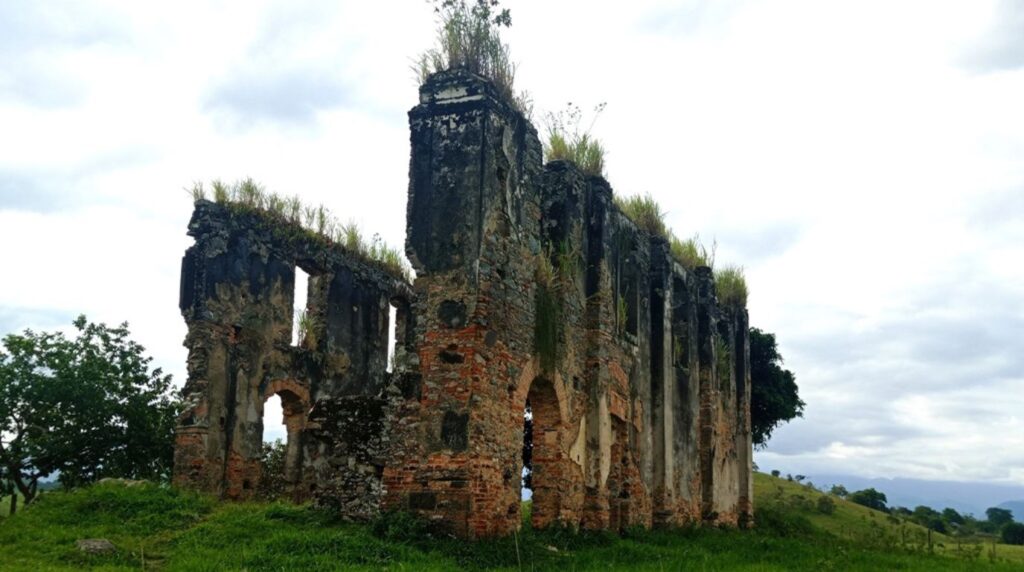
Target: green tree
<point x="951" y="516"/>
<point x="272" y="484"/>
<point x="870" y="498"/>
<point x="774" y="396"/>
<point x="839" y="491"/>
<point x="901" y="511"/>
<point x="998" y="517"/>
<point x="1013" y="533"/>
<point x="84" y="407"/>
<point x="928" y="517"/>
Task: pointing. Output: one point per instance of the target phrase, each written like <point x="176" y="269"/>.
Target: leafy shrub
<point x="645" y="212"/>
<point x="801" y="503"/>
<point x="731" y="286"/>
<point x="567" y="142"/>
<point x="1013" y="533"/>
<point x="468" y="37"/>
<point x="272" y="484"/>
<point x="826" y="505"/>
<point x="724" y="360"/>
<point x="870" y="498"/>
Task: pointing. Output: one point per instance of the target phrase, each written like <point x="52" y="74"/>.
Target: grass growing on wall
<point x="307" y="330"/>
<point x="468" y="37"/>
<point x="548" y="312"/>
<point x="723" y="356"/>
<point x="567" y="142"/>
<point x="647" y="215"/>
<point x="645" y="212"/>
<point x="731" y="286"/>
<point x="691" y="252"/>
<point x="316" y="220"/>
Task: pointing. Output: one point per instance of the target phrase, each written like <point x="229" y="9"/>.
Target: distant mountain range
<point x="1016" y="507"/>
<point x="965" y="497"/>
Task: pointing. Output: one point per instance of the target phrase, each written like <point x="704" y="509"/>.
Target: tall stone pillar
<point x="744" y="434"/>
<point x="662" y="384"/>
<point x="709" y="394"/>
<point x="473" y="239"/>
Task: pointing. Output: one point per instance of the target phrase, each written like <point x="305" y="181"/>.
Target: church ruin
<point x="531" y="287"/>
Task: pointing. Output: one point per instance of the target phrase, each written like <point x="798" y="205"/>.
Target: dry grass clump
<point x="691" y="252"/>
<point x="731" y="286"/>
<point x="567" y="142"/>
<point x="468" y="37"/>
<point x="317" y="220"/>
<point x="645" y="212"/>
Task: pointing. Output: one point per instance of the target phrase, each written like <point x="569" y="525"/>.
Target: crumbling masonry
<point x="531" y="287"/>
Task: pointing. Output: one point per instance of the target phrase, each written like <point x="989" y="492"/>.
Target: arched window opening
<point x="392" y="336"/>
<point x="301" y="324"/>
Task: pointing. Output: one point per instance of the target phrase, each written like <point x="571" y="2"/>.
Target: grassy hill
<point x="164" y="529"/>
<point x="865" y="526"/>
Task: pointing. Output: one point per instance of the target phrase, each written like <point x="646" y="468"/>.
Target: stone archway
<point x="295" y="407"/>
<point x="552" y="465"/>
<point x="548" y="457"/>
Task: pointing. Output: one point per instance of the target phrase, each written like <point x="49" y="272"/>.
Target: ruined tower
<point x="531" y="287"/>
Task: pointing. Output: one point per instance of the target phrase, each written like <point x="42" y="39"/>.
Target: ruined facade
<point x="531" y="288"/>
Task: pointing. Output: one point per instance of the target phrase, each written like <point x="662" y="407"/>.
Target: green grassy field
<point x="163" y="529"/>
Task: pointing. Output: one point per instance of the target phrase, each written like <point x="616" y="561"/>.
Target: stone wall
<point x="237" y="297"/>
<point x="532" y="288"/>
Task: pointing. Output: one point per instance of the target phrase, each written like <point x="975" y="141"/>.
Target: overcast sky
<point x="863" y="160"/>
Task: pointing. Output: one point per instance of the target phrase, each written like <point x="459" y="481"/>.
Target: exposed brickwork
<point x="531" y="287"/>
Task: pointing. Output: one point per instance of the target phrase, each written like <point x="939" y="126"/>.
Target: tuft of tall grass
<point x="307" y="330"/>
<point x="315" y="220"/>
<point x="468" y="37"/>
<point x="731" y="286"/>
<point x="645" y="212"/>
<point x="221" y="192"/>
<point x="567" y="142"/>
<point x="691" y="252"/>
<point x="197" y="191"/>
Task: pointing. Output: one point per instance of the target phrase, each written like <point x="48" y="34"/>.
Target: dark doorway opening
<point x="543" y="458"/>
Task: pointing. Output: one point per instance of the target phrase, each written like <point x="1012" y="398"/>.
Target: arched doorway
<point x="542" y="452"/>
<point x="281" y="462"/>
